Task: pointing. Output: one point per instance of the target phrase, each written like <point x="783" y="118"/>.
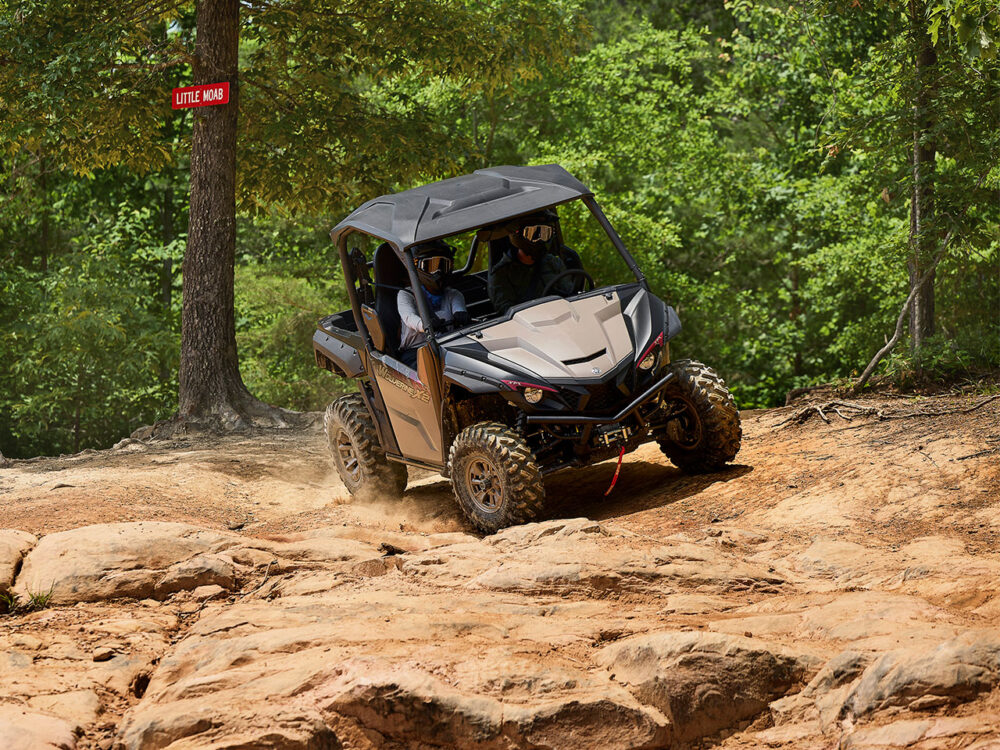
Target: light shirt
<point x="411" y="329"/>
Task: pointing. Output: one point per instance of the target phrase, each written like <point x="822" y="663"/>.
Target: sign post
<point x="201" y="96"/>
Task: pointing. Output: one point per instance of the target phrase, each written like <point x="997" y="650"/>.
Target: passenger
<point x="434" y="262"/>
<point x="527" y="269"/>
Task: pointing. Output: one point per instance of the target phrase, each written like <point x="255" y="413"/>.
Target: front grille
<point x="603" y="399"/>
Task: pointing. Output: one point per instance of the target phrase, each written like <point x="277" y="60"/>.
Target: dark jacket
<point x="512" y="282"/>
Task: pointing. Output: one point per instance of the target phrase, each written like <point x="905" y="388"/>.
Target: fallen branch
<point x="805" y="412"/>
<point x="987" y="452"/>
<point x="267" y="572"/>
<point x="981" y="403"/>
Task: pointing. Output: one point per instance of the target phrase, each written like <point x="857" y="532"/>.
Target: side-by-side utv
<point x="498" y="403"/>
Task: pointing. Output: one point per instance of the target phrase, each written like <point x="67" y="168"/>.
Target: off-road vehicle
<point x="552" y="383"/>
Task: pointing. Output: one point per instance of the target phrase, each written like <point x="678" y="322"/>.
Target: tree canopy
<point x="784" y="174"/>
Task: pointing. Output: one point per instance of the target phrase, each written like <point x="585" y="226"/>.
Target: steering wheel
<point x="564" y="274"/>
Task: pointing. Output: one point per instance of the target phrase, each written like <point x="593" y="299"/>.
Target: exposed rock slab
<point x="955" y="671"/>
<point x="410" y="669"/>
<point x="580" y="555"/>
<point x="704" y="682"/>
<point x="14" y="545"/>
<point x="137" y="560"/>
<point x="24" y="729"/>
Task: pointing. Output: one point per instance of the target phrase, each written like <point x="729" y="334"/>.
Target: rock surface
<point x="13" y="547"/>
<point x="705" y="682"/>
<point x="136" y="560"/>
<point x="21" y="729"/>
<point x="839" y="588"/>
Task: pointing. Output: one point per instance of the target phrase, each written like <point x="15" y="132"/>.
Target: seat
<point x="390" y="277"/>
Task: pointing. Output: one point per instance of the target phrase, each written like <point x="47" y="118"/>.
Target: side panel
<point x="412" y="411"/>
<point x="339" y="354"/>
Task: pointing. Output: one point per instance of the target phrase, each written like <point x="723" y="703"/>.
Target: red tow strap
<point x="618" y="470"/>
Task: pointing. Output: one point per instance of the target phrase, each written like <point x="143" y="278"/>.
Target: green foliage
<point x="275" y="321"/>
<point x="38" y="600"/>
<point x="754" y="156"/>
<point x="92" y="358"/>
<point x="321" y="119"/>
<point x="9" y="602"/>
<point x="12" y="604"/>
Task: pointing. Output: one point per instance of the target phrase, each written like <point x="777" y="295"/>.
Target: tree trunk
<point x="166" y="268"/>
<point x="43" y="184"/>
<point x="922" y="240"/>
<point x="210" y="384"/>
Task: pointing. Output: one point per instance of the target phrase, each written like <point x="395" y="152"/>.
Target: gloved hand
<point x="461" y="318"/>
<point x="438" y="323"/>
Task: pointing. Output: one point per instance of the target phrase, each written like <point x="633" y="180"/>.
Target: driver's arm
<point x="501" y="291"/>
<point x="554" y="266"/>
<point x="408" y="315"/>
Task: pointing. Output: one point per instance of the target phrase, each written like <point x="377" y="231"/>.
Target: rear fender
<point x="338" y="355"/>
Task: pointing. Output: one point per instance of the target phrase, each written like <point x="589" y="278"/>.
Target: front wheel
<point x="704" y="432"/>
<point x="496" y="479"/>
<point x="359" y="458"/>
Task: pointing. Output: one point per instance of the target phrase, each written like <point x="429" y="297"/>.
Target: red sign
<point x="201" y="96"/>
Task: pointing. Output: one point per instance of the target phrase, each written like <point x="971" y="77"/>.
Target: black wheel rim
<point x="684" y="429"/>
<point x="484" y="483"/>
<point x="347" y="456"/>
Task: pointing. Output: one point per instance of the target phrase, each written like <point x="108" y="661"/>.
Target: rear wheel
<point x="360" y="460"/>
<point x="496" y="479"/>
<point x="705" y="433"/>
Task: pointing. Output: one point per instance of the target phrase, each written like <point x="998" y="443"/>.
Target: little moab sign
<point x="201" y="96"/>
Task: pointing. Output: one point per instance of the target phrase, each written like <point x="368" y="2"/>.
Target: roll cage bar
<point x="405" y="254"/>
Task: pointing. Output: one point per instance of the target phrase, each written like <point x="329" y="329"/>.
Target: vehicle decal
<point x="413" y="388"/>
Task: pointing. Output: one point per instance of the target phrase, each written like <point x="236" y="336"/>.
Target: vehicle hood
<point x="562" y="339"/>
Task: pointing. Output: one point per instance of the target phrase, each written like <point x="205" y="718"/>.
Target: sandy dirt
<point x="868" y="479"/>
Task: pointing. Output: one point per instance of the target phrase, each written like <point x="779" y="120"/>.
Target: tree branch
<point x="904" y="313"/>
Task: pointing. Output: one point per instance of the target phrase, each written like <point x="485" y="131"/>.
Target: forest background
<point x="785" y="174"/>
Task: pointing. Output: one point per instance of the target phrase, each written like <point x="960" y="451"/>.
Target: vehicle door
<point x="414" y="406"/>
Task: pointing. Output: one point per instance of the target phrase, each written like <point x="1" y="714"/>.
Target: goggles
<point x="537" y="232"/>
<point x="435" y="263"/>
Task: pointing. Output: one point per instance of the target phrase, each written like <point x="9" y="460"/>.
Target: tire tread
<point x="379" y="475"/>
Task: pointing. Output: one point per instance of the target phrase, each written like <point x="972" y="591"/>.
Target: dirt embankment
<point x="838" y="586"/>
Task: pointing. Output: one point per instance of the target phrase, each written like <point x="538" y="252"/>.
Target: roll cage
<point x="491" y="235"/>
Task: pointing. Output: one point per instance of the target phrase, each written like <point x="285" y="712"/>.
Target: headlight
<point x="651" y="357"/>
<point x="649" y="361"/>
<point x="532" y="392"/>
<point x="533" y="395"/>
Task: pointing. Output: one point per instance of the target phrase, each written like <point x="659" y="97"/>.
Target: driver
<point x="527" y="269"/>
<point x="434" y="261"/>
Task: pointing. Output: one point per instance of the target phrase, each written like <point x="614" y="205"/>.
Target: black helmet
<point x="534" y="233"/>
<point x="435" y="261"/>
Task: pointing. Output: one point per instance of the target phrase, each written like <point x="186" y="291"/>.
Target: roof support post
<point x="352" y="293"/>
<point x="418" y="295"/>
<point x="595" y="209"/>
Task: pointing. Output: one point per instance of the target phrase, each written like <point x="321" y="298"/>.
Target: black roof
<point x="460" y="204"/>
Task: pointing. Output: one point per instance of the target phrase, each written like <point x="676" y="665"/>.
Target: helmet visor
<point x="435" y="263"/>
<point x="537" y="232"/>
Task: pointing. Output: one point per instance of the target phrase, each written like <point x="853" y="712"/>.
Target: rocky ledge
<point x="552" y="635"/>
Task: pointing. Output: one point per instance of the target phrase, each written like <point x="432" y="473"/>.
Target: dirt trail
<point x="864" y="536"/>
<point x="867" y="479"/>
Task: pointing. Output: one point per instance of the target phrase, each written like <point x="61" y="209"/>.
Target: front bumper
<point x="624" y="413"/>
